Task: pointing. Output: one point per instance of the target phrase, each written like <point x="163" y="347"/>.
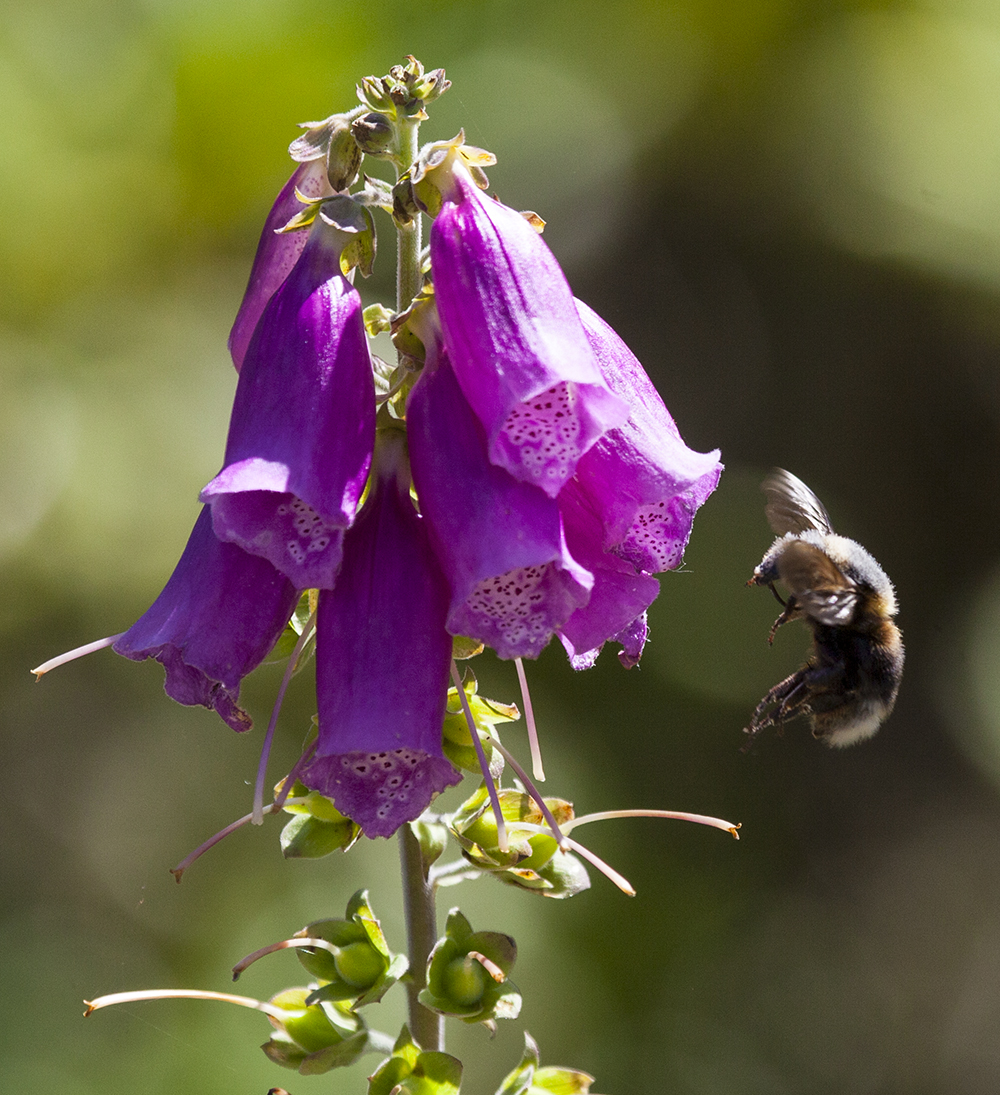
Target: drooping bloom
<point x="514" y="337"/>
<point x="218" y="616"/>
<point x="277" y="252"/>
<point x="382" y="661"/>
<point x="303" y="421"/>
<point x="500" y="540"/>
<point x="641" y="478"/>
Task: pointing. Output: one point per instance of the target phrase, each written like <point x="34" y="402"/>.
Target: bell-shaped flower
<point x="218" y="616"/>
<point x="303" y="421"/>
<point x="500" y="541"/>
<point x="277" y="252"/>
<point x="382" y="662"/>
<point x="514" y="336"/>
<point x="640" y="477"/>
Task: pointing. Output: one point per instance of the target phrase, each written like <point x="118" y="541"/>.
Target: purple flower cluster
<point x="551" y="485"/>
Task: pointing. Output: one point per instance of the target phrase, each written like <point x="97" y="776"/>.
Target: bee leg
<point x="786" y="700"/>
<point x="789" y="611"/>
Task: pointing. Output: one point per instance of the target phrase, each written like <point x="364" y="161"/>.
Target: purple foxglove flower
<point x="514" y="337"/>
<point x="303" y="422"/>
<point x="218" y="616"/>
<point x="276" y="253"/>
<point x="621" y="594"/>
<point x="500" y="541"/>
<point x="382" y="661"/>
<point x="640" y="477"/>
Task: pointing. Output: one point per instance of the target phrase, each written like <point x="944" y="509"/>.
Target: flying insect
<point x="849" y="683"/>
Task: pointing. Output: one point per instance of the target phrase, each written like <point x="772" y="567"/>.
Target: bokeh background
<point x="791" y="210"/>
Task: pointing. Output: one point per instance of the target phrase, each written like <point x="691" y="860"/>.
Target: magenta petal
<point x="382" y="662"/>
<point x="515" y="340"/>
<point x="303" y="423"/>
<point x="500" y="541"/>
<point x="276" y="253"/>
<point x="218" y="616"/>
<point x="620" y="595"/>
<point x="646" y="483"/>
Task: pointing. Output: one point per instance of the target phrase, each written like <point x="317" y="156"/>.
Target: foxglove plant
<point x="515" y="477"/>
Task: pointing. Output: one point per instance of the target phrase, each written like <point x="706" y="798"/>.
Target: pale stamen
<point x="280" y="1014"/>
<point x="265" y="752"/>
<point x="676" y="815"/>
<point x="181" y="867"/>
<point x="529" y="721"/>
<point x="483" y="763"/>
<point x="72" y="655"/>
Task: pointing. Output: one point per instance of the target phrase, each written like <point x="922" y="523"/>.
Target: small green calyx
<point x="415" y="1072"/>
<point x="316" y="828"/>
<point x="532" y="861"/>
<point x="314" y="1038"/>
<point x="358" y="965"/>
<point x="468" y="974"/>
<point x="432" y="179"/>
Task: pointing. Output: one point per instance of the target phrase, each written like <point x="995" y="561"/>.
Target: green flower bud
<point x="467" y="974"/>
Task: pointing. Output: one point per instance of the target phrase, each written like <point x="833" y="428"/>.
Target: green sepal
<point x="529" y="1079"/>
<point x="562" y="876"/>
<point x="460" y="984"/>
<point x="486" y="713"/>
<point x="314" y="1039"/>
<point x="363" y="969"/>
<point x="430" y="177"/>
<point x="378" y="319"/>
<point x="414" y="1071"/>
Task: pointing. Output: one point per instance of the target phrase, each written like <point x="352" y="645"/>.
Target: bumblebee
<point x="848" y="685"/>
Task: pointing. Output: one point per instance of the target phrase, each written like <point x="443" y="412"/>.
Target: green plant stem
<point x="408" y="237"/>
<point x="426" y="1026"/>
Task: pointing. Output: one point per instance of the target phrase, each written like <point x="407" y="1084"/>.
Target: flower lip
<point x="514" y="337"/>
<point x="641" y="477"/>
<point x="379" y="755"/>
<point x="216" y="619"/>
<point x="303" y="422"/>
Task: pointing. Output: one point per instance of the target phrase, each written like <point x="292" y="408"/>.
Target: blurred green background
<point x="791" y="211"/>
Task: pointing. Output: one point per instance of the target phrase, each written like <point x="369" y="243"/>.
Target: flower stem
<point x="408" y="237"/>
<point x="421" y="929"/>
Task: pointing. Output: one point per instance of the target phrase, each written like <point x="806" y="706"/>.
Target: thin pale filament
<point x="281" y="1014"/>
<point x="181" y="867"/>
<point x="529" y="721"/>
<point x="265" y="752"/>
<point x="483" y="764"/>
<point x="676" y="815"/>
<point x="72" y="655"/>
<point x="273" y="948"/>
<point x="533" y="793"/>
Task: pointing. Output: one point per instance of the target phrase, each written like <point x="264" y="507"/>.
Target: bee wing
<point x="791" y="505"/>
<point x="820" y="589"/>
